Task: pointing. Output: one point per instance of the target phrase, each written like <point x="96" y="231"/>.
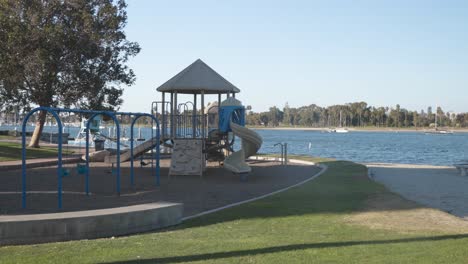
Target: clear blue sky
<point x="414" y="53"/>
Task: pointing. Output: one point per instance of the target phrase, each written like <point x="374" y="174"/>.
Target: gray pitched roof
<point x="198" y="77"/>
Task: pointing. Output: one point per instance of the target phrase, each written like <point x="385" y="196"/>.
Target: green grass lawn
<point x="303" y="225"/>
<point x="12" y="151"/>
<point x="3" y="137"/>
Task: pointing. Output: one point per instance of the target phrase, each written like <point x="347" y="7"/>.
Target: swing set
<point x="83" y="168"/>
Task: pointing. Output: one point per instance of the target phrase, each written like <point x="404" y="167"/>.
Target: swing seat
<point x="81" y="168"/>
<point x="65" y="172"/>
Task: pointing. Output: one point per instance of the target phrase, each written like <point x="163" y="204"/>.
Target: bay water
<point x="358" y="146"/>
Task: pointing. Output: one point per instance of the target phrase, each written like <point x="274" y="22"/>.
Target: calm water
<point x="389" y="147"/>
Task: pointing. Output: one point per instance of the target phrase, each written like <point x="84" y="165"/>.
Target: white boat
<point x="440" y="132"/>
<point x="71" y="124"/>
<point x="95" y="128"/>
<point x="436" y="130"/>
<point x="339" y="129"/>
<point x="80" y="138"/>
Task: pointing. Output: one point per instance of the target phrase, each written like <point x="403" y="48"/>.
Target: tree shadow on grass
<point x="276" y="249"/>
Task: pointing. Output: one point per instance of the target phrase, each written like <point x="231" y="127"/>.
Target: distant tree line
<point x="357" y="114"/>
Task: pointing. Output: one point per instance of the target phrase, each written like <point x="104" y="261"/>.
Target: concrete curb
<point x="323" y="170"/>
<point x="37" y="164"/>
<point x="89" y="224"/>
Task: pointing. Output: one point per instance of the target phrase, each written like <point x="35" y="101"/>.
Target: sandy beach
<point x="439" y="187"/>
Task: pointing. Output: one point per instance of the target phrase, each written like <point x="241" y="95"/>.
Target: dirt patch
<point x="389" y="211"/>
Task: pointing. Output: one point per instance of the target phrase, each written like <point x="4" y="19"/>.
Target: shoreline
<point x="395" y="130"/>
<point x="404" y="165"/>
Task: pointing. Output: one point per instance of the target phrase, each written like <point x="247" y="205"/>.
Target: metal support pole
<point x="285" y="153"/>
<point x="172" y="115"/>
<point x="155" y="157"/>
<point x="152" y="136"/>
<point x="176" y="115"/>
<point x="158" y="152"/>
<point x="23" y="164"/>
<point x="219" y="107"/>
<point x="194" y="116"/>
<point x="117" y="124"/>
<point x="186" y="120"/>
<point x="132" y="182"/>
<point x="118" y="154"/>
<point x="52" y="111"/>
<point x="87" y="161"/>
<point x="234" y="95"/>
<point x="282" y="152"/>
<point x="203" y="113"/>
<point x="163" y="114"/>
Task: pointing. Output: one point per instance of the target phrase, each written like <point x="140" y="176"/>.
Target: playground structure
<point x="213" y="127"/>
<point x="192" y="135"/>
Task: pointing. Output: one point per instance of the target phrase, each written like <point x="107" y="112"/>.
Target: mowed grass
<point x="302" y="225"/>
<point x="12" y="151"/>
<point x="5" y="137"/>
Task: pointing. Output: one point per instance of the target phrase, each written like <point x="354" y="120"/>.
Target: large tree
<point x="64" y="53"/>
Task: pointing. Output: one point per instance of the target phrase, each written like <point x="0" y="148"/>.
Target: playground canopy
<point x="198" y="77"/>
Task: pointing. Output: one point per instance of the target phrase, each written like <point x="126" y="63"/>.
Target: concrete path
<point x="434" y="186"/>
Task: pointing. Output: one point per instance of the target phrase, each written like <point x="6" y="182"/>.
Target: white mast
<point x="340" y="119"/>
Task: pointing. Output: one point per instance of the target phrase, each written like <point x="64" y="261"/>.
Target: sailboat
<point x="438" y="131"/>
<point x="339" y="129"/>
<point x="95" y="128"/>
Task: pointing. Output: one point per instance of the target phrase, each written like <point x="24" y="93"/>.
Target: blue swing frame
<point x="158" y="151"/>
<point x="55" y="112"/>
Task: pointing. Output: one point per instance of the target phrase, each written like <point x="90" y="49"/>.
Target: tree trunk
<point x="38" y="129"/>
